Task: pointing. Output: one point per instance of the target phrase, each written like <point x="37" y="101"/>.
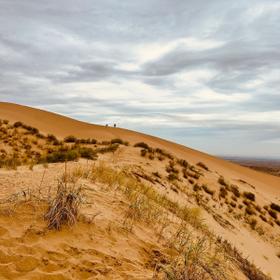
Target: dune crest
<point x="139" y="191"/>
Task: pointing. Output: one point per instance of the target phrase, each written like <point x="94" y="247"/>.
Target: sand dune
<point x="17" y="263"/>
<point x="62" y="126"/>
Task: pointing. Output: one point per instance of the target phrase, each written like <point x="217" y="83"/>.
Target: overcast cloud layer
<point x="202" y="73"/>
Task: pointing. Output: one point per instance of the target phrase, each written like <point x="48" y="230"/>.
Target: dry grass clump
<point x="151" y="157"/>
<point x="191" y="181"/>
<point x="109" y="149"/>
<point x="24" y="145"/>
<point x="223" y="192"/>
<point x="70" y="139"/>
<point x="170" y="168"/>
<point x="87" y="153"/>
<point x="74" y="139"/>
<point x="124" y="181"/>
<point x="143" y="152"/>
<point x="263" y="218"/>
<point x="10" y="161"/>
<point x="249" y="210"/>
<point x="275" y="207"/>
<point x="197" y="188"/>
<point x="233" y="204"/>
<point x="162" y="154"/>
<point x="222" y="181"/>
<point x="156" y="174"/>
<point x="249" y="196"/>
<point x="64" y="207"/>
<point x="235" y="190"/>
<point x="207" y="189"/>
<point x="183" y="163"/>
<point x="141" y="209"/>
<point x="203" y="165"/>
<point x="142" y="145"/>
<point x="192" y="174"/>
<point x="119" y="141"/>
<point x="249" y="269"/>
<point x="253" y="223"/>
<point x="272" y="213"/>
<point x="172" y="177"/>
<point x="198" y="259"/>
<point x="158" y="153"/>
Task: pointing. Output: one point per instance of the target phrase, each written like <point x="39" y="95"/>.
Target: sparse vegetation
<point x="142" y="145"/>
<point x="223" y="192"/>
<point x="109" y="149"/>
<point x="249" y="196"/>
<point x="249" y="210"/>
<point x="162" y="154"/>
<point x="156" y="174"/>
<point x="143" y="152"/>
<point x="233" y="204"/>
<point x="275" y="207"/>
<point x="272" y="213"/>
<point x="183" y="163"/>
<point x="172" y="177"/>
<point x="196" y="261"/>
<point x="249" y="269"/>
<point x="146" y="198"/>
<point x="207" y="189"/>
<point x="222" y="181"/>
<point x="61" y="156"/>
<point x="203" y="165"/>
<point x="235" y="190"/>
<point x="119" y="141"/>
<point x="64" y="208"/>
<point x="196" y="187"/>
<point x="253" y="223"/>
<point x="70" y="139"/>
<point x="87" y="153"/>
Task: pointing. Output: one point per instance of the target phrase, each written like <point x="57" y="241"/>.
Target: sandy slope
<point x="266" y="187"/>
<point x="62" y="126"/>
<point x="96" y="250"/>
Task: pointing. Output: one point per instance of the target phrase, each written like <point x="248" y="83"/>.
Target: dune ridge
<point x="62" y="126"/>
<point x="234" y="202"/>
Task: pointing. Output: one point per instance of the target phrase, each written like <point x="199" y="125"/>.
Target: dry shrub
<point x="142" y="145"/>
<point x="275" y="207"/>
<point x="273" y="214"/>
<point x="207" y="190"/>
<point x="249" y="210"/>
<point x="141" y="209"/>
<point x="193" y="175"/>
<point x="235" y="190"/>
<point x="126" y="183"/>
<point x="249" y="196"/>
<point x="222" y="181"/>
<point x="64" y="207"/>
<point x="203" y="165"/>
<point x="248" y="268"/>
<point x="199" y="260"/>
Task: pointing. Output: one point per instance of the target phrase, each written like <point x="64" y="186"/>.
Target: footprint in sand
<point x="25" y="263"/>
<point x="50" y="266"/>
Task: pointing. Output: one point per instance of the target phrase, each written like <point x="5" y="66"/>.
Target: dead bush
<point x="249" y="196"/>
<point x="64" y="207"/>
<point x="272" y="213"/>
<point x="275" y="207"/>
<point x="222" y="181"/>
<point x="202" y="165"/>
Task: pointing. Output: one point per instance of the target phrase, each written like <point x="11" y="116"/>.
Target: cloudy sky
<point x="202" y="73"/>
